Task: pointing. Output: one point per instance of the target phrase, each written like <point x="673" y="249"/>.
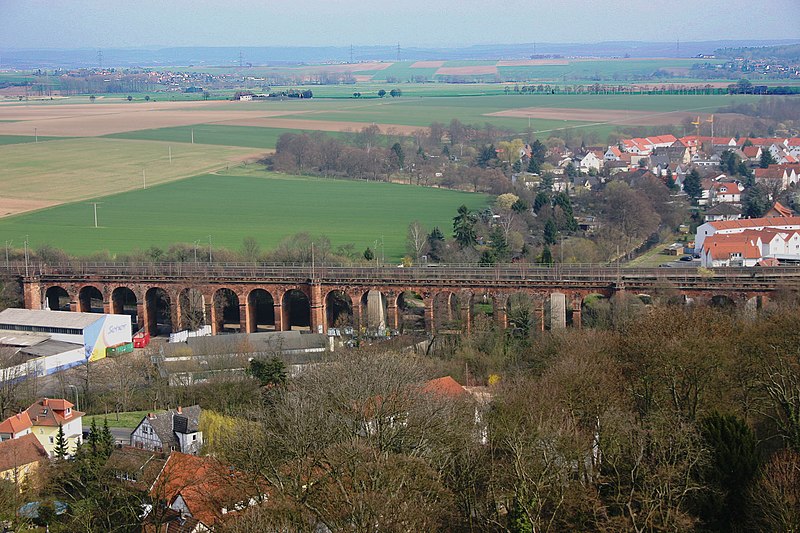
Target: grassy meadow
<point x="250" y="202"/>
<point x="74" y="169"/>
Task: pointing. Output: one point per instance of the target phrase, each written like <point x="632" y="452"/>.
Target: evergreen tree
<point x="105" y="442"/>
<point x="368" y="254"/>
<point x="669" y="181"/>
<point x="401" y="157"/>
<point x="746" y="174"/>
<point x="487" y="258"/>
<point x="268" y="372"/>
<point x="435" y="244"/>
<point x="547" y="256"/>
<point x="541" y="200"/>
<point x="563" y="201"/>
<point x="733" y="464"/>
<point x="93" y="438"/>
<point x="464" y="227"/>
<point x="486" y="155"/>
<point x="766" y="159"/>
<point x="692" y="186"/>
<point x="61" y="450"/>
<point x="520" y="206"/>
<point x="499" y="245"/>
<point x="538" y="151"/>
<point x="550" y="232"/>
<point x="755" y="202"/>
<point x="533" y="166"/>
<point x="546" y="183"/>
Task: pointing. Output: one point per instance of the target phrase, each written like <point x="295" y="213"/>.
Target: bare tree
<point x="416" y="239"/>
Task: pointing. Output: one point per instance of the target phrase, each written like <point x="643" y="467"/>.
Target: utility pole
<point x="398" y="52"/>
<point x="35" y="136"/>
<point x="192" y="135"/>
<point x="196" y="244"/>
<point x="312" y="262"/>
<point x="100" y="59"/>
<point x="95" y="212"/>
<point x="209" y="248"/>
<point x="26" y="255"/>
<point x="8" y="243"/>
<point x="241" y="60"/>
<point x="351" y="54"/>
<point x="170" y="155"/>
<point x="144" y="180"/>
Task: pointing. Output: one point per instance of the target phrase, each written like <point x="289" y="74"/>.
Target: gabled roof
<point x="445" y="386"/>
<point x="140" y="466"/>
<point x="782" y="211"/>
<point x="751" y="151"/>
<point x="723" y="209"/>
<point x="205" y="485"/>
<point x="755" y="223"/>
<point x="51" y="412"/>
<point x="20" y="452"/>
<point x="172" y="421"/>
<point x="46" y="318"/>
<point x="16" y="423"/>
<point x="725" y="246"/>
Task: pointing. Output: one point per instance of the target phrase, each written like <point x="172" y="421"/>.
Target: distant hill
<point x="274" y="55"/>
<point x="790" y="52"/>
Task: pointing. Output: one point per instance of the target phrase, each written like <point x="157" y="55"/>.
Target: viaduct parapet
<point x="254" y="297"/>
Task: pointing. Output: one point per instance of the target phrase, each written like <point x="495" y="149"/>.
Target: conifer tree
<point x="61" y="449"/>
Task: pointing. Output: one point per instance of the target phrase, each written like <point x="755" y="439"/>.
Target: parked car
<point x="686" y="258"/>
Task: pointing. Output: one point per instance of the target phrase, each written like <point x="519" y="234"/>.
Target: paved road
<point x="121" y="435"/>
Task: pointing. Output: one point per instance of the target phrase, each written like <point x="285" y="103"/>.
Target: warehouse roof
<point x="49" y="319"/>
<point x="50" y="347"/>
<point x="21" y="338"/>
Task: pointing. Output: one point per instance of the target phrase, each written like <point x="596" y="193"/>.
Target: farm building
<point x="45" y="342"/>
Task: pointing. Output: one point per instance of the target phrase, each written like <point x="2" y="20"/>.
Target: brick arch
<point x="57" y="297"/>
<point x="87" y="294"/>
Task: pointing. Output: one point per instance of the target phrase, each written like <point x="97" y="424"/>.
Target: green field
<point x="244" y="203"/>
<point x="73" y="169"/>
<point x="244" y="136"/>
<point x="20" y="139"/>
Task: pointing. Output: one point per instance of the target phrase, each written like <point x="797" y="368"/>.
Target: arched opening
<point x="446" y="317"/>
<point x="482" y="311"/>
<point x="123" y="302"/>
<point x="374" y="311"/>
<point x="57" y="299"/>
<point x="296" y="310"/>
<point x="556" y="311"/>
<point x="158" y="312"/>
<point x="192" y="306"/>
<point x="596" y="311"/>
<point x="90" y="300"/>
<point x="261" y="306"/>
<point x="226" y="311"/>
<point x="720" y="301"/>
<point x="521" y="314"/>
<point x="411" y="311"/>
<point x="338" y="309"/>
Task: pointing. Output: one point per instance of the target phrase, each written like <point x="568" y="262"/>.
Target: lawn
<point x="128" y="419"/>
<point x="74" y="169"/>
<point x="242" y="203"/>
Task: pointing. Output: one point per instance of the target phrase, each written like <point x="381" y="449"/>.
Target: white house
<point x="175" y="430"/>
<point x="739" y="226"/>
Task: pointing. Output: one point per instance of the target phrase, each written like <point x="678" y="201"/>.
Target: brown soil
<point x="86" y="120"/>
<point x="15" y="206"/>
<point x="466" y="71"/>
<point x="613" y="116"/>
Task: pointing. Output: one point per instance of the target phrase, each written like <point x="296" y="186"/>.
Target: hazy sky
<point x="126" y="23"/>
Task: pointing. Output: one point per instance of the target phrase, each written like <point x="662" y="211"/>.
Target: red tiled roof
<point x="19" y="452"/>
<point x="724" y="246"/>
<point x="445" y="386"/>
<point x="781" y="210"/>
<point x="751" y="151"/>
<point x="205" y="484"/>
<point x="745" y="223"/>
<point x="51" y="412"/>
<point x="16" y="423"/>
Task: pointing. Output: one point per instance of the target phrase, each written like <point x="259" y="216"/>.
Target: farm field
<point x="250" y="202"/>
<point x="19" y="139"/>
<point x="47" y="173"/>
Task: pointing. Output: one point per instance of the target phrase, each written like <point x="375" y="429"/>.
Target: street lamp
<point x="76" y="396"/>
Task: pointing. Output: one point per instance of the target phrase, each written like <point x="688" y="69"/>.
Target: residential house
<point x="701" y="160"/>
<point x="16" y="426"/>
<point x="20" y="457"/>
<point x="612" y="154"/>
<point x="47" y="415"/>
<point x="739" y="226"/>
<point x="590" y="161"/>
<point x="722" y="211"/>
<point x="136" y="466"/>
<point x="729" y="250"/>
<point x="777" y="210"/>
<point x="201" y="490"/>
<point x="752" y="153"/>
<point x="175" y="430"/>
<point x="725" y="193"/>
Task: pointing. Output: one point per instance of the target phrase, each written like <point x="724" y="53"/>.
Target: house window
<point x="52" y="441"/>
<point x="194" y="437"/>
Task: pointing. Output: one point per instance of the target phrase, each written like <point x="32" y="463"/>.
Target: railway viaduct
<point x="254" y="297"/>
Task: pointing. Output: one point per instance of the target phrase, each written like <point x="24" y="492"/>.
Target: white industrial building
<point x="45" y="342"/>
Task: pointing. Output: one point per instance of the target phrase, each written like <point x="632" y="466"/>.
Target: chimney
<point x="44" y="401"/>
<point x="151" y="416"/>
<point x="180" y="410"/>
